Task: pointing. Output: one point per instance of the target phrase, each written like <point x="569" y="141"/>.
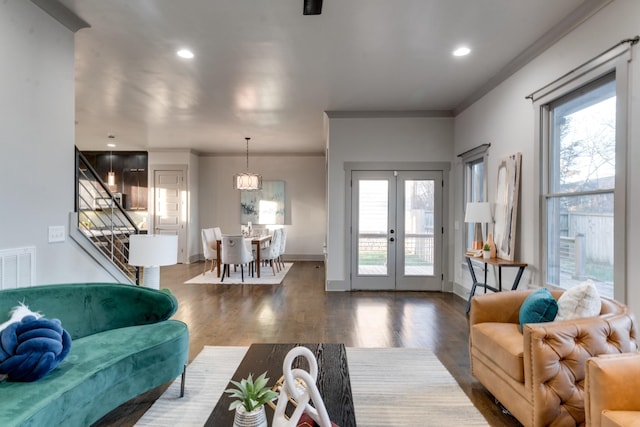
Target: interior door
<point x="170" y="207"/>
<point x="396" y="229"/>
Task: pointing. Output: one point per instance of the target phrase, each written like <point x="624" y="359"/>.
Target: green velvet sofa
<point x="123" y="345"/>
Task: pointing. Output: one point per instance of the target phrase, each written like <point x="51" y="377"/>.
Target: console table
<point x="496" y="262"/>
<point x="333" y="379"/>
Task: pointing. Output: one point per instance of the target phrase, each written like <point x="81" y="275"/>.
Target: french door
<point x="396" y="230"/>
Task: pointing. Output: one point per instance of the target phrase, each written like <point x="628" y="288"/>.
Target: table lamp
<point x="478" y="213"/>
<point x="152" y="251"/>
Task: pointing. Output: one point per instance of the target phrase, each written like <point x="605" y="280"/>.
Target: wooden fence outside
<point x="585" y="238"/>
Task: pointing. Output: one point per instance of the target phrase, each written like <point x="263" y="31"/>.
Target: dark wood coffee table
<point x="333" y="379"/>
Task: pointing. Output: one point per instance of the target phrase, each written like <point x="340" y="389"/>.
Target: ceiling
<point x="264" y="70"/>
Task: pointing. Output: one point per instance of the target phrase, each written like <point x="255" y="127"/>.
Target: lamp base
<point x="151" y="277"/>
<point x="477" y="237"/>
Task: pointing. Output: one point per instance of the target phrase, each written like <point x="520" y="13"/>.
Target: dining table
<point x="258" y="241"/>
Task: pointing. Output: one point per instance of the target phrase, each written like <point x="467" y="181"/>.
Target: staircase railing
<point x="102" y="219"/>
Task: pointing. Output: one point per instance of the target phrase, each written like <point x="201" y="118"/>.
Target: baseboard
<point x="337" y="285"/>
<point x="461" y="291"/>
<point x="195" y="258"/>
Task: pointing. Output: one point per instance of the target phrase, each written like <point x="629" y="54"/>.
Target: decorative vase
<point x="255" y="418"/>
<point x="491" y="244"/>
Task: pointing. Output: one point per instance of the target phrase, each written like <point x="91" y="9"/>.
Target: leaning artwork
<point x="506" y="207"/>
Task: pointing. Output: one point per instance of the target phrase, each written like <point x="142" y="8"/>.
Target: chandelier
<point x="247" y="180"/>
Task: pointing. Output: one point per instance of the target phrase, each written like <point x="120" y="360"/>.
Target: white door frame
<point x="443" y="167"/>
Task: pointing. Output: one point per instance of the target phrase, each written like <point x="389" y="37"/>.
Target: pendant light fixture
<point x="247" y="180"/>
<point x="111" y="177"/>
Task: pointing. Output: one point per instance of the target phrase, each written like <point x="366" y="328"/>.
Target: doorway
<point x="396" y="230"/>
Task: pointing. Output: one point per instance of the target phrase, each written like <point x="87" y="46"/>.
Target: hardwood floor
<point x="299" y="310"/>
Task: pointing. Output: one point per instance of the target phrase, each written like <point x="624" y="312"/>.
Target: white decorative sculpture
<point x="302" y="394"/>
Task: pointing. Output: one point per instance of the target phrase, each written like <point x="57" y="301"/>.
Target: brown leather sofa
<point x="538" y="374"/>
<point x="611" y="390"/>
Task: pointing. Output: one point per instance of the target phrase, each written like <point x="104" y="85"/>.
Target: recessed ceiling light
<point x="185" y="53"/>
<point x="462" y="51"/>
<point x="111" y="145"/>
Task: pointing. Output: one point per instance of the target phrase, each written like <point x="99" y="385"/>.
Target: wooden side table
<point x="499" y="262"/>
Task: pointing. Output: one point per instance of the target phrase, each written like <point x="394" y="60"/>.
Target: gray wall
<point x="37" y="140"/>
<point x="304" y="176"/>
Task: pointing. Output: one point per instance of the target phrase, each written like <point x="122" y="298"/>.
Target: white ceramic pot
<point x="255" y="418"/>
<point x="486" y="254"/>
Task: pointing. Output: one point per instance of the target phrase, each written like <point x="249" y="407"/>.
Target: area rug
<point x="390" y="386"/>
<point x="266" y="277"/>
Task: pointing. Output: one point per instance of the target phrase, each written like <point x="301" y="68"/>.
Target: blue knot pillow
<point x="32" y="347"/>
<point x="538" y="307"/>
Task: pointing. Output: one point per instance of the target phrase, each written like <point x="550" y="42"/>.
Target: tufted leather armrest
<point x="612" y="384"/>
<point x="557" y="355"/>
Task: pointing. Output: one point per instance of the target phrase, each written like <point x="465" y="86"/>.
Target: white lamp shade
<point x="247" y="181"/>
<point x="478" y="212"/>
<point x="147" y="250"/>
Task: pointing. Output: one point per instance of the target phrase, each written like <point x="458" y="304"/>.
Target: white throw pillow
<point x="580" y="301"/>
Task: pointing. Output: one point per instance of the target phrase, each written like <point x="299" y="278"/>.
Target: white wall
<point x="37" y="141"/>
<point x="405" y="139"/>
<point x="304" y="178"/>
<point x="506" y="119"/>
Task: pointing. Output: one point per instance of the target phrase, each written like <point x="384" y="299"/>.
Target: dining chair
<point x="209" y="247"/>
<point x="234" y="252"/>
<point x="283" y="243"/>
<point x="272" y="251"/>
<point x="218" y="233"/>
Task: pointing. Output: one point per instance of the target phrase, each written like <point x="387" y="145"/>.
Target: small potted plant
<point x="250" y="399"/>
<point x="486" y="251"/>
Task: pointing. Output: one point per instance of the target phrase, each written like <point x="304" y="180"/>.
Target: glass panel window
<point x="580" y="200"/>
<point x="584" y="141"/>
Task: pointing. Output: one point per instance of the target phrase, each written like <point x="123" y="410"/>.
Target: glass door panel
<point x="419" y="212"/>
<point x="418" y="227"/>
<point x="373" y="220"/>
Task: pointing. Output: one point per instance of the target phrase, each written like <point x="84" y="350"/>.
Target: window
<point x="580" y="186"/>
<point x="475" y="183"/>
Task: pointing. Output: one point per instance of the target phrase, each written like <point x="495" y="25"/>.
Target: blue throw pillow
<point x="31" y="348"/>
<point x="538" y="307"/>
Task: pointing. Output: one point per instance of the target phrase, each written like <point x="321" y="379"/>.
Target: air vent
<point x="17" y="267"/>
